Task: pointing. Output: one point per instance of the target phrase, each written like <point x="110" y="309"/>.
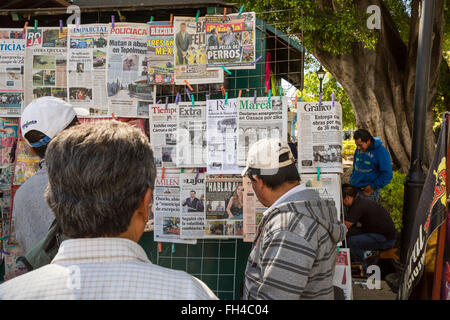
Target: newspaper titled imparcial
<point x="86" y="67"/>
<point x="222" y="142"/>
<point x="45" y="64"/>
<point x="259" y="120"/>
<point x="253" y="211"/>
<point x="319" y="137"/>
<point x="191" y="135"/>
<point x="192" y="203"/>
<point x="163" y="134"/>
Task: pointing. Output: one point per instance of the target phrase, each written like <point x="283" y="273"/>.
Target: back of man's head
<point x="98" y="175"/>
<point x="363" y="135"/>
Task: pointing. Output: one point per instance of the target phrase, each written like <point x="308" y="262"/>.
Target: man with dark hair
<point x="372" y="168"/>
<point x="377" y="231"/>
<point x="41" y="121"/>
<point x="193" y="203"/>
<point x="297" y="230"/>
<point x="182" y="43"/>
<point x="101" y="181"/>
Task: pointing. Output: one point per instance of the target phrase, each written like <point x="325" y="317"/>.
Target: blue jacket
<point x="372" y="168"/>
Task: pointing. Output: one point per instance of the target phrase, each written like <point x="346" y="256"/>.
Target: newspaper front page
<point x="222" y="144"/>
<point x="343" y="274"/>
<point x="253" y="211"/>
<point x="163" y="134"/>
<point x="191" y="135"/>
<point x="129" y="93"/>
<point x="190" y="53"/>
<point x="166" y="205"/>
<point x="12" y="52"/>
<point x="159" y="61"/>
<point x="192" y="203"/>
<point x="45" y="64"/>
<point x="260" y="120"/>
<point x="86" y="67"/>
<point x="230" y="42"/>
<point x="319" y="137"/>
<point x="224" y="206"/>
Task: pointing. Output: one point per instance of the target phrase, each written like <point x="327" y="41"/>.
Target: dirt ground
<point x="361" y="292"/>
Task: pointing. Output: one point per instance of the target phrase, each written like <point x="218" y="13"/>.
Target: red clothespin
<point x="171" y="19"/>
<point x="223" y="90"/>
<point x="240" y="92"/>
<point x="224" y="13"/>
<point x="24" y="31"/>
<point x="189" y="86"/>
<point x="159" y="247"/>
<point x="163" y="170"/>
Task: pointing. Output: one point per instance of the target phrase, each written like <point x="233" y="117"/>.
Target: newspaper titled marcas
<point x="230" y="42"/>
<point x="159" y="61"/>
<point x="129" y="92"/>
<point x="12" y="52"/>
<point x="45" y="64"/>
<point x="192" y="203"/>
<point x="253" y="211"/>
<point x="319" y="137"/>
<point x="190" y="53"/>
<point x="224" y="206"/>
<point x="163" y="134"/>
<point x="86" y="67"/>
<point x="166" y="206"/>
<point x="191" y="137"/>
<point x="260" y="120"/>
<point x="222" y="144"/>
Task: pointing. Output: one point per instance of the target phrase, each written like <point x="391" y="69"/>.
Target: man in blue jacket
<point x="372" y="168"/>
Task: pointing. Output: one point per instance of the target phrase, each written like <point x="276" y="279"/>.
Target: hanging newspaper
<point x="190" y="53"/>
<point x="159" y="61"/>
<point x="343" y="274"/>
<point x="328" y="186"/>
<point x="224" y="206"/>
<point x="319" y="137"/>
<point x="191" y="137"/>
<point x="166" y="199"/>
<point x="86" y="67"/>
<point x="192" y="203"/>
<point x="27" y="164"/>
<point x="46" y="64"/>
<point x="12" y="51"/>
<point x="222" y="137"/>
<point x="163" y="129"/>
<point x="253" y="211"/>
<point x="230" y="42"/>
<point x="260" y="120"/>
<point x="129" y="93"/>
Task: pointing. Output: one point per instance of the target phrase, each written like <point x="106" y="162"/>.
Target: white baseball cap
<point x="265" y="155"/>
<point x="48" y="115"/>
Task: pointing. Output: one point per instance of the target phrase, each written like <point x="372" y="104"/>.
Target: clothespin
<point x="167" y="102"/>
<point x="24" y="31"/>
<point x="240" y="92"/>
<point x="4" y="237"/>
<point x="182" y="170"/>
<point x="224" y="13"/>
<point x="254" y="97"/>
<point x="281" y="91"/>
<point x="177" y="98"/>
<point x="257" y="59"/>
<point x="158" y="102"/>
<point x="226" y="70"/>
<point x="240" y="11"/>
<point x="270" y="94"/>
<point x="337" y="251"/>
<point x="60" y="26"/>
<point x="189" y="86"/>
<point x="4" y="252"/>
<point x="78" y="22"/>
<point x="320" y="99"/>
<point x="171" y="19"/>
<point x="196" y="175"/>
<point x="112" y="21"/>
<point x="187" y="92"/>
<point x="318" y="173"/>
<point x="193" y="103"/>
<point x="226" y="98"/>
<point x="159" y="247"/>
<point x="332" y="99"/>
<point x="163" y="170"/>
<point x="173" y="247"/>
<point x="151" y="19"/>
<point x="207" y="96"/>
<point x="35" y="25"/>
<point x="222" y="88"/>
<point x="198" y="14"/>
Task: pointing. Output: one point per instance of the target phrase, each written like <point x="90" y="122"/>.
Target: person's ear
<point x="145" y="203"/>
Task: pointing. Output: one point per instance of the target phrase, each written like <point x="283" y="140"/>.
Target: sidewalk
<point x="361" y="292"/>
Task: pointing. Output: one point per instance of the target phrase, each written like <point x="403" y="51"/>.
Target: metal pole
<point x="416" y="177"/>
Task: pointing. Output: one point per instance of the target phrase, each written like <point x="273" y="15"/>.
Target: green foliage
<point x="349" y="147"/>
<point x="392" y="198"/>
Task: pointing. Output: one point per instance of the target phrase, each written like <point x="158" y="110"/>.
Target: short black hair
<point x="362" y="134"/>
<point x="349" y="190"/>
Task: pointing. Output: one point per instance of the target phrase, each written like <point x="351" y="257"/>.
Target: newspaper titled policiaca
<point x="260" y="120"/>
<point x="163" y="130"/>
<point x="129" y="93"/>
<point x="159" y="60"/>
<point x="319" y="137"/>
<point x="190" y="53"/>
<point x="191" y="137"/>
<point x="224" y="206"/>
<point x="222" y="136"/>
<point x="192" y="202"/>
<point x="46" y="64"/>
<point x="253" y="211"/>
<point x="166" y="206"/>
<point x="230" y="42"/>
<point x="86" y="67"/>
<point x="12" y="51"/>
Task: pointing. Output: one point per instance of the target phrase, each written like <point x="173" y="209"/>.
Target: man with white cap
<point x="40" y="122"/>
<point x="293" y="256"/>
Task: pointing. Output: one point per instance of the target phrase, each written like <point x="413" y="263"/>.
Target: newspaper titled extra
<point x="224" y="206"/>
<point x="260" y="120"/>
<point x="190" y="53"/>
<point x="159" y="61"/>
<point x="86" y="67"/>
<point x="46" y="64"/>
<point x="12" y="52"/>
<point x="192" y="203"/>
<point x="222" y="144"/>
<point x="319" y="137"/>
<point x="191" y="138"/>
<point x="129" y="93"/>
<point x="166" y="205"/>
<point x="163" y="134"/>
<point x="253" y="211"/>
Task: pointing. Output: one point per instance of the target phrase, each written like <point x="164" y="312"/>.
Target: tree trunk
<point x="380" y="83"/>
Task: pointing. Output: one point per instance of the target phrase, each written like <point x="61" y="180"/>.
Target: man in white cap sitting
<point x="294" y="252"/>
<point x="40" y="122"/>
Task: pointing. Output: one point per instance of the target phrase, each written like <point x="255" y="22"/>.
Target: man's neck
<point x="280" y="191"/>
